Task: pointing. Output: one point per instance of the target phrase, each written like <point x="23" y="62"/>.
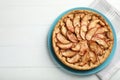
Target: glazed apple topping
<point x="71" y="36"/>
<point x="84" y="60"/>
<point x="100" y="42"/>
<point x="83" y="47"/>
<point x="83" y="31"/>
<point x="101" y="30"/>
<point x="90" y="33"/>
<point x="76" y="21"/>
<point x="74" y="59"/>
<point x="83" y="38"/>
<point x="63" y="30"/>
<point x="93" y="57"/>
<point x="64" y="46"/>
<point x="77" y="32"/>
<point x="71" y="16"/>
<point x="93" y="24"/>
<point x="62" y="39"/>
<point x="68" y="53"/>
<point x="94" y="47"/>
<point x="84" y="24"/>
<point x="69" y="24"/>
<point x="77" y="47"/>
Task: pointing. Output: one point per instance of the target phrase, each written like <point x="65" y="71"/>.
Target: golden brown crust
<point x="81" y="58"/>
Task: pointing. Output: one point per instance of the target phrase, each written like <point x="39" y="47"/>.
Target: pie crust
<point x="82" y="39"/>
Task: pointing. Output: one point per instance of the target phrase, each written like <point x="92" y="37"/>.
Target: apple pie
<point x="82" y="39"/>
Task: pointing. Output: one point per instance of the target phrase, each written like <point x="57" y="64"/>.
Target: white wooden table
<point x="24" y="25"/>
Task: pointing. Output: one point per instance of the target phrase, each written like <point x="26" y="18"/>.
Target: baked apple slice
<point x="71" y="37"/>
<point x="76" y="20"/>
<point x="95" y="48"/>
<point x="83" y="47"/>
<point x="90" y="33"/>
<point x="77" y="32"/>
<point x="69" y="25"/>
<point x="83" y="31"/>
<point x="93" y="24"/>
<point x="93" y="57"/>
<point x="110" y="35"/>
<point x="84" y="24"/>
<point x="77" y="47"/>
<point x="62" y="39"/>
<point x="85" y="59"/>
<point x="71" y="16"/>
<point x="68" y="53"/>
<point x="64" y="30"/>
<point x="100" y="42"/>
<point x="101" y="30"/>
<point x="74" y="59"/>
<point x="64" y="46"/>
<point x="102" y="23"/>
<point x="102" y="36"/>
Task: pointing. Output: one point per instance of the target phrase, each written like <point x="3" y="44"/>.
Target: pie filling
<point x="82" y="39"/>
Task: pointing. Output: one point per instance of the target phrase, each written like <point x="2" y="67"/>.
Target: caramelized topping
<point x="64" y="30"/>
<point x="64" y="46"/>
<point x="76" y="20"/>
<point x="69" y="25"/>
<point x="90" y="33"/>
<point x="82" y="39"/>
<point x="83" y="47"/>
<point x="68" y="53"/>
<point x="73" y="59"/>
<point x="93" y="57"/>
<point x="77" y="47"/>
<point x="71" y="36"/>
<point x="62" y="39"/>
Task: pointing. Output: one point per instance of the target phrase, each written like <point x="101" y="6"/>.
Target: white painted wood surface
<point x="24" y="25"/>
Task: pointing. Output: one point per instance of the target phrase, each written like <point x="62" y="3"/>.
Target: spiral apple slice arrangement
<point x="82" y="39"/>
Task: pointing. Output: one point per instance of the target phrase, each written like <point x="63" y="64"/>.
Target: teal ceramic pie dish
<point x="71" y="70"/>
